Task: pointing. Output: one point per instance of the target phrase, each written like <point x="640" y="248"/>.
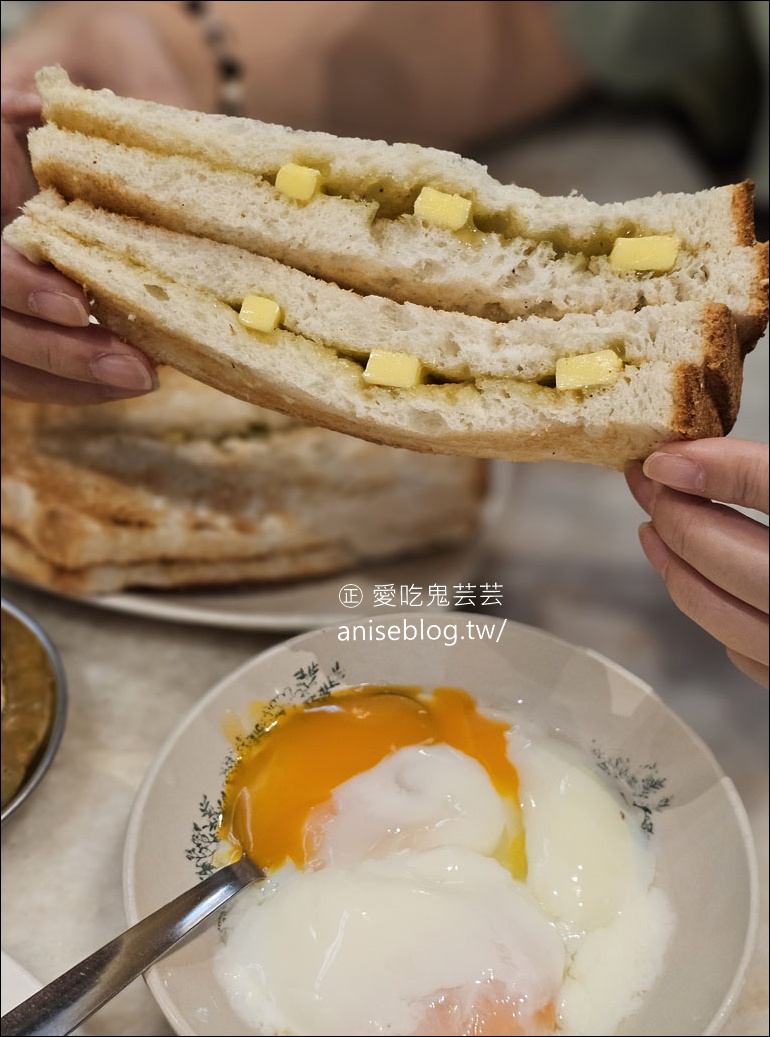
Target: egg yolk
<point x="296" y="762"/>
<point x="492" y="1014"/>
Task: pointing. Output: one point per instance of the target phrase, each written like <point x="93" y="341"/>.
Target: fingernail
<point x="123" y="372"/>
<point x="59" y="308"/>
<point x="674" y="470"/>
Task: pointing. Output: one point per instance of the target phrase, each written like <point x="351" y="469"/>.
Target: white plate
<point x="702" y="839"/>
<point x="15" y="982"/>
<point x="288" y="607"/>
<point x="314" y="603"/>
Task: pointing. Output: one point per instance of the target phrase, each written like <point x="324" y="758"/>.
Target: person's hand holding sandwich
<point x="50" y="352"/>
<point x="713" y="559"/>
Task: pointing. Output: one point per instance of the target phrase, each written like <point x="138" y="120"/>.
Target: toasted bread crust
<point x="743" y="212"/>
<point x="710" y="394"/>
<point x="751" y="326"/>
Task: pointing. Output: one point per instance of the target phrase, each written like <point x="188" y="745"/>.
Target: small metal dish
<point x="34" y="706"/>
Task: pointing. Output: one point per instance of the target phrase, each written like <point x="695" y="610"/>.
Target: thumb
<point x="733" y="471"/>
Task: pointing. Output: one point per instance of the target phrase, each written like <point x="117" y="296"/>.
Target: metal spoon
<point x="68" y="1001"/>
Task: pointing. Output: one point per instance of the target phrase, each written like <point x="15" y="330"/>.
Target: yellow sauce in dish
<point x="28" y="704"/>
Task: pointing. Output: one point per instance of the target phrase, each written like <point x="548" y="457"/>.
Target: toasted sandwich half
<point x="394" y="292"/>
<point x="481" y="387"/>
<point x="188" y="486"/>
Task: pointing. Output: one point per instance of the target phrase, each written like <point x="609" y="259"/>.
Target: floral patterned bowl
<point x="667" y="776"/>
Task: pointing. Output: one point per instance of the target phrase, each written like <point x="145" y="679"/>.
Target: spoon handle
<point x="68" y="1001"/>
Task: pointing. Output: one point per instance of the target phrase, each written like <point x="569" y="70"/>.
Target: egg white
<point x="591" y="869"/>
<point x="417" y="798"/>
<point x="365" y="949"/>
<point x="403" y="901"/>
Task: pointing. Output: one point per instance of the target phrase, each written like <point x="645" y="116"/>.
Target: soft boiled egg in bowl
<point x="461" y="836"/>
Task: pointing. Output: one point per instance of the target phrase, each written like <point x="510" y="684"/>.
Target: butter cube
<point x="298" y="182"/>
<point x="394" y="370"/>
<point x="656" y="253"/>
<point x="260" y="313"/>
<point x="450" y="211"/>
<point x="588" y="369"/>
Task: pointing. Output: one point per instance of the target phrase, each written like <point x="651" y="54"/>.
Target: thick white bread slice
<point x="688" y="385"/>
<point x="390" y="174"/>
<point x="451" y="345"/>
<point x="105" y="510"/>
<point x="562" y="268"/>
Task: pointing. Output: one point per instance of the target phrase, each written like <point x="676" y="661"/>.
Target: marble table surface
<point x="567" y="555"/>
